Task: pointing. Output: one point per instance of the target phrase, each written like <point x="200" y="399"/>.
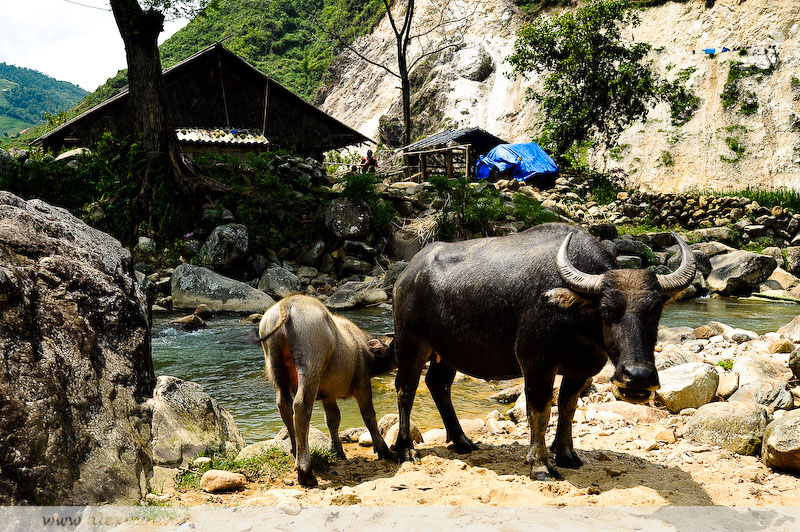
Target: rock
<point x="202" y="462"/>
<point x="146" y="245"/>
<point x="473" y="63"/>
<point x="75" y="352"/>
<point x="728" y="384"/>
<point x="603" y="231"/>
<point x="312" y="256"/>
<point x="786" y="279"/>
<point x="372" y="297"/>
<point x="687" y="386"/>
<point x="791" y="329"/>
<point x="756" y="368"/>
<point x="738" y="427"/>
<point x="630" y="411"/>
<point x="216" y="480"/>
<point x="203" y="312"/>
<point x="781" y="345"/>
<point x="394" y="273"/>
<point x="702" y="261"/>
<point x="704" y="332"/>
<point x="721" y="234"/>
<point x="675" y="355"/>
<point x="435" y="436"/>
<point x="348" y="218"/>
<point x="190" y="322"/>
<point x="316" y="438"/>
<point x="306" y="273"/>
<point x="279" y="282"/>
<point x="781" y="448"/>
<point x="472" y="426"/>
<point x="354" y="265"/>
<point x="352" y="435"/>
<point x="391" y="434"/>
<point x="6" y="162"/>
<point x="261" y="447"/>
<point x="365" y="440"/>
<point x="674" y="335"/>
<point x="741" y="335"/>
<point x="345" y="298"/>
<point x="772" y="393"/>
<point x="629" y="261"/>
<point x="402" y="246"/>
<point x="194" y="285"/>
<point x="225" y="246"/>
<point x="739" y="272"/>
<point x="72" y="155"/>
<point x="188" y="422"/>
<point x="518" y="412"/>
<point x="794" y="363"/>
<point x="508" y="395"/>
<point x="711" y="249"/>
<point x="793" y="260"/>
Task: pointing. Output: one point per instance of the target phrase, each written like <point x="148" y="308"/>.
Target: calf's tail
<point x="284" y="317"/>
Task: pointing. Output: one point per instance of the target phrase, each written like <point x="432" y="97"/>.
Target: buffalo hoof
<point x="386" y="454"/>
<point x="306" y="478"/>
<point x="463" y="445"/>
<point x="406" y="454"/>
<point x="545" y="473"/>
<point x="570" y="460"/>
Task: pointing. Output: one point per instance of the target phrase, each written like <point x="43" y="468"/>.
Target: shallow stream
<point x="231" y="369"/>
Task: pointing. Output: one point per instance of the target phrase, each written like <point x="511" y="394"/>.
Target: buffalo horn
<point x="575" y="279"/>
<point x="684" y="275"/>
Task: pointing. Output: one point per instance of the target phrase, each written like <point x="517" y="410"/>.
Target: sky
<point x="66" y="41"/>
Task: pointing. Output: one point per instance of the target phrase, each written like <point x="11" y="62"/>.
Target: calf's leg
<point x="440" y="380"/>
<point x="411" y="357"/>
<point x="332" y="418"/>
<point x="363" y="396"/>
<point x="276" y="372"/>
<point x="567" y="401"/>
<point x="303" y="406"/>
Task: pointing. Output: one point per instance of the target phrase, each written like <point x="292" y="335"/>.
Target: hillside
<point x="26" y="95"/>
<point x="751" y="138"/>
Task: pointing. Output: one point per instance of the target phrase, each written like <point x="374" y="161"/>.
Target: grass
<point x="788" y="199"/>
<point x="731" y="91"/>
<point x="726" y="364"/>
<point x="667" y="159"/>
<point x="273" y="463"/>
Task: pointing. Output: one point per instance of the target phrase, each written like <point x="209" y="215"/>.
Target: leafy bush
<point x="667" y="159"/>
<point x="737" y="70"/>
<point x="466" y="205"/>
<point x="364" y="187"/>
<point x="530" y="211"/>
<point x="683" y="103"/>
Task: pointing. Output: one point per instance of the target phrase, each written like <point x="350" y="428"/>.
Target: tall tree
<point x="413" y="40"/>
<point x="140" y="22"/>
<point x="596" y="82"/>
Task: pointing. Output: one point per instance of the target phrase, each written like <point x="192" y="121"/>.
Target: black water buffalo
<point x="546" y="301"/>
<point x="312" y="354"/>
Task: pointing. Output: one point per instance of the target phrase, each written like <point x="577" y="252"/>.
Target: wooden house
<point x="449" y="152"/>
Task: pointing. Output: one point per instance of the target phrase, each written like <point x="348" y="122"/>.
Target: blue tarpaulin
<point x="525" y="160"/>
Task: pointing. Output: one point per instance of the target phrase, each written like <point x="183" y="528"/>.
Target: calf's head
<point x="629" y="303"/>
<point x="381" y="358"/>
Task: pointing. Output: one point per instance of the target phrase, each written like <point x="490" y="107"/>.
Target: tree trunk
<point x="147" y="100"/>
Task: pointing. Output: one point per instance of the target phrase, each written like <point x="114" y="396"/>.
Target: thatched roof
<point x="212" y="89"/>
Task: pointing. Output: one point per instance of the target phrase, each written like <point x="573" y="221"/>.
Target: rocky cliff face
<point x="755" y="141"/>
<point x="75" y="362"/>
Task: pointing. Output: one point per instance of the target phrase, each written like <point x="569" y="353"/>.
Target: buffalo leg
<point x="567" y="401"/>
<point x="332" y="419"/>
<point x="410" y="361"/>
<point x="539" y="396"/>
<point x="363" y="397"/>
<point x="303" y="406"/>
<point x="440" y="380"/>
<point x="283" y="397"/>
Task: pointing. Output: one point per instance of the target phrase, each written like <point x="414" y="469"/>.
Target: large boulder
<point x="687" y="386"/>
<point x="188" y="422"/>
<point x="772" y="393"/>
<point x="279" y="282"/>
<point x="194" y="285"/>
<point x="739" y="272"/>
<point x="226" y="245"/>
<point x="474" y="63"/>
<point x="781" y="448"/>
<point x="348" y="218"/>
<point x="738" y="427"/>
<point x="6" y="161"/>
<point x="75" y="352"/>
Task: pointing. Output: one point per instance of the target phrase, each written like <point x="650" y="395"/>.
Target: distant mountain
<point x="26" y="95"/>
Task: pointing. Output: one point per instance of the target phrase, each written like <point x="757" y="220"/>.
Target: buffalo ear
<point x="566" y="298"/>
<point x="376" y="346"/>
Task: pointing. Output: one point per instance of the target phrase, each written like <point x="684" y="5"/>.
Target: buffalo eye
<point x="610" y="312"/>
<point x="376" y="346"/>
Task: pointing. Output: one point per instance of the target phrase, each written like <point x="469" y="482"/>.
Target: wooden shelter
<point x="449" y="152"/>
<point x="215" y="90"/>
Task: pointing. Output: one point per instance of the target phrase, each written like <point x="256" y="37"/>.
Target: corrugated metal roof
<point x="220" y="136"/>
<point x="445" y="137"/>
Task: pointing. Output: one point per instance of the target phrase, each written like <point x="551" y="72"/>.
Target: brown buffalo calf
<point x="312" y="354"/>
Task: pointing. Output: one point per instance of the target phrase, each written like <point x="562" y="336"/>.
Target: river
<point x="231" y="369"/>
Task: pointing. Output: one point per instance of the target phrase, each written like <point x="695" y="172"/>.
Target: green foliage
<point x="683" y="102"/>
<point x="596" y="83"/>
<point x="26" y="95"/>
<point x="726" y="364"/>
<point x="666" y="159"/>
<point x="731" y="92"/>
<point x="788" y="199"/>
<point x="466" y="206"/>
<point x="750" y="104"/>
<point x="530" y="211"/>
<point x="735" y="144"/>
<point x="364" y="187"/>
<point x="604" y="188"/>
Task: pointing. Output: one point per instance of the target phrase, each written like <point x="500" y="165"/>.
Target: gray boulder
<point x="793" y="260"/>
<point x="193" y="286"/>
<point x="711" y="249"/>
<point x="702" y="261"/>
<point x="348" y="218"/>
<point x="781" y="448"/>
<point x="403" y="246"/>
<point x="75" y="352"/>
<point x="312" y="256"/>
<point x="395" y="270"/>
<point x="739" y="272"/>
<point x="187" y="422"/>
<point x="687" y="386"/>
<point x="474" y="63"/>
<point x="675" y="355"/>
<point x="772" y="393"/>
<point x="6" y="161"/>
<point x="794" y="363"/>
<point x="225" y="246"/>
<point x="349" y="295"/>
<point x="738" y="427"/>
<point x="674" y="335"/>
<point x="279" y="282"/>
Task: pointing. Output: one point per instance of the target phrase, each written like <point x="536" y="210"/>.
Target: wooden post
<point x="449" y="163"/>
<point x="467" y="166"/>
<point x="423" y="168"/>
